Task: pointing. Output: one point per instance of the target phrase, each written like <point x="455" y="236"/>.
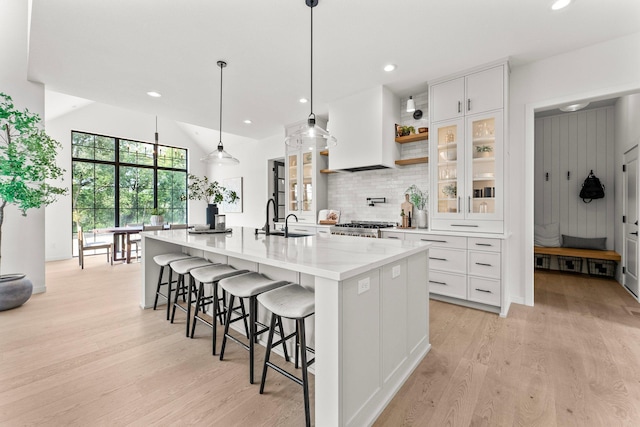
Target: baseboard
<point x="39" y="289"/>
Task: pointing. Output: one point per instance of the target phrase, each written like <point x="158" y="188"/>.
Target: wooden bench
<point x="579" y="253"/>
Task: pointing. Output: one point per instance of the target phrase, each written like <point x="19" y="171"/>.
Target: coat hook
<point x="546" y="176"/>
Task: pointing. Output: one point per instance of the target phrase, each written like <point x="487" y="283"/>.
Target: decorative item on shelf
<point x="419" y="199"/>
<point x="450" y="190"/>
<point x="408" y="130"/>
<point x="212" y="192"/>
<point x="484" y="150"/>
<point x="157" y="216"/>
<point x="407" y="208"/>
<point x="449" y="155"/>
<point x="28" y="165"/>
<point x="423" y="130"/>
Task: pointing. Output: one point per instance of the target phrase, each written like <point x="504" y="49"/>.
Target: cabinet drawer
<point x="467" y="225"/>
<point x="452" y="260"/>
<point x="485" y="264"/>
<point x="453" y="285"/>
<point x="398" y="235"/>
<point x="486" y="291"/>
<point x="306" y="229"/>
<point x="452" y="242"/>
<point x="491" y="245"/>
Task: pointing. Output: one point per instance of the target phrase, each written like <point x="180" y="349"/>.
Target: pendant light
<point x="219" y="156"/>
<point x="311" y="136"/>
<point x="411" y="105"/>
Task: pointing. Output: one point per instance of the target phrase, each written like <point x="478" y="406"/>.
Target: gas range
<point x="361" y="228"/>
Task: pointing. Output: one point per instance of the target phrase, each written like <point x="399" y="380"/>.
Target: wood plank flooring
<point x="85" y="354"/>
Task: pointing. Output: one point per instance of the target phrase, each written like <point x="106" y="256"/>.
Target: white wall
<point x="23" y="237"/>
<point x="117" y="122"/>
<point x="597" y="71"/>
<point x="627" y="130"/>
<point x="254" y="157"/>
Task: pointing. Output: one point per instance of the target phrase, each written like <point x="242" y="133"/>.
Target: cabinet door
<point x="448" y="175"/>
<point x="447" y="100"/>
<point x="484" y="165"/>
<point x="292" y="183"/>
<point x="485" y="91"/>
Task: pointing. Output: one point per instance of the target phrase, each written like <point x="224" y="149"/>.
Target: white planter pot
<point x="157" y="220"/>
<point x="421" y="218"/>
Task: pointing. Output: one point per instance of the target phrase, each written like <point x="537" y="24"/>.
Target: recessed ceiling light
<point x="560" y="4"/>
<point x="303" y="100"/>
<point x="574" y="107"/>
<point x="248" y="121"/>
<point x="389" y="67"/>
<point x="154" y="94"/>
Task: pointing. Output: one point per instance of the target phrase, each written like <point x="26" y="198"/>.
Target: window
<point x="118" y="181"/>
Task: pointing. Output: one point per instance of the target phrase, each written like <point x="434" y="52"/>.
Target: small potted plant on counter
<point x="419" y="199"/>
<point x="212" y="192"/>
<point x="157" y="216"/>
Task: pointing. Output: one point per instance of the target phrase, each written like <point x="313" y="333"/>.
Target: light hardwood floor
<point x="84" y="353"/>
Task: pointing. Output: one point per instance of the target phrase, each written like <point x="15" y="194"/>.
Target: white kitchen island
<point x="371" y="326"/>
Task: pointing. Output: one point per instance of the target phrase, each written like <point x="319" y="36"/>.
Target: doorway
<point x="630" y="226"/>
<point x="276" y="186"/>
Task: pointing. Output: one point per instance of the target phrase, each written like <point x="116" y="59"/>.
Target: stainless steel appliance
<point x="361" y="228"/>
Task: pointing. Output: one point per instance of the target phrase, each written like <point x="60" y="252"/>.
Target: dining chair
<point x="178" y="226"/>
<point x="135" y="239"/>
<point x="89" y="246"/>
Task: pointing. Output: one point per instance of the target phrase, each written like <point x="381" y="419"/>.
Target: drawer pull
<point x="484" y="244"/>
<point x="484" y="264"/>
<point x="439" y="259"/>
<point x="438" y="283"/>
<point x="433" y="240"/>
<point x="483" y="290"/>
<point x="392" y="237"/>
<point x="464" y="225"/>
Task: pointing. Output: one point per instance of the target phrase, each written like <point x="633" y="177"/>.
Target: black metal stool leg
<point x="179" y="283"/>
<point x="169" y="290"/>
<point x="155" y="301"/>
<point x="199" y="305"/>
<point x="268" y="352"/>
<point x="305" y="374"/>
<point x="253" y="307"/>
<point x="226" y="326"/>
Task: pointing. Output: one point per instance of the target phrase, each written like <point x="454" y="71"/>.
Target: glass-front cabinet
<point x="468" y="174"/>
<point x="304" y="184"/>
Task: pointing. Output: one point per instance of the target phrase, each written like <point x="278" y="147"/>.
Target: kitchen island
<point x="371" y="326"/>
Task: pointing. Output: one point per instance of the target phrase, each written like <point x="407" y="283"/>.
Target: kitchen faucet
<point x="275" y="214"/>
<point x="286" y="224"/>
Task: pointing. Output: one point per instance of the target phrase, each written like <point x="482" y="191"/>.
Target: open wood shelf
<point x="327" y="171"/>
<point x="412" y="138"/>
<point x="324" y="153"/>
<point x="413" y="161"/>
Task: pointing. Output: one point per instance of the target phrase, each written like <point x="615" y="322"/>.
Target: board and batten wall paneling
<point x="575" y="144"/>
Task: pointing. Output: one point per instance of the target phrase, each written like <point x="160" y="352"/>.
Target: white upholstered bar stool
<point x="296" y="303"/>
<point x="183" y="268"/>
<point x="212" y="274"/>
<point x="250" y="286"/>
<point x="163" y="261"/>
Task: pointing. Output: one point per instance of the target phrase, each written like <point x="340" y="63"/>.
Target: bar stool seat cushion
<point x="250" y="284"/>
<point x="184" y="266"/>
<point x="291" y="301"/>
<point x="215" y="272"/>
<point x="166" y="259"/>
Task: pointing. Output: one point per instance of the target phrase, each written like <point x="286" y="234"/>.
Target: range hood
<point x="365" y="125"/>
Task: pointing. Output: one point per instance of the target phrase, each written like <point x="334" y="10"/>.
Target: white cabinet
<point x="467" y="150"/>
<point x="475" y="93"/>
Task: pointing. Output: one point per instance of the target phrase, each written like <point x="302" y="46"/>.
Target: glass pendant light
<point x="219" y="156"/>
<point x="311" y="136"/>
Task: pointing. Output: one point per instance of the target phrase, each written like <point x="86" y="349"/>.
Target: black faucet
<point x="286" y="226"/>
<point x="275" y="214"/>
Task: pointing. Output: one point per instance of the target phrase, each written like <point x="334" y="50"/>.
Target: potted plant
<point x="156" y="216"/>
<point x="27" y="165"/>
<point x="419" y="199"/>
<point x="212" y="192"/>
<point x="483" y="150"/>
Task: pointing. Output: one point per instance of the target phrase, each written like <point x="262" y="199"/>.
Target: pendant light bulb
<point x="411" y="105"/>
<point x="311" y="135"/>
<point x="220" y="157"/>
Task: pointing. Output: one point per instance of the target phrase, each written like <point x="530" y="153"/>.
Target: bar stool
<point x="182" y="268"/>
<point x="297" y="303"/>
<point x="163" y="261"/>
<point x="213" y="274"/>
<point x="249" y="285"/>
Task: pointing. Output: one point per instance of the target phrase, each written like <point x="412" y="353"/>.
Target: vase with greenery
<point x="157" y="216"/>
<point x="27" y="165"/>
<point x="210" y="191"/>
<point x="420" y="199"/>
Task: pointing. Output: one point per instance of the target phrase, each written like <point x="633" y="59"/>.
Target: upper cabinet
<point x="468" y="151"/>
<point x="475" y="93"/>
<point x="365" y="126"/>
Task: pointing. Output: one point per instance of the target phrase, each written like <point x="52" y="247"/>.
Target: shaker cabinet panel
<point x="485" y="91"/>
<point x="446" y="100"/>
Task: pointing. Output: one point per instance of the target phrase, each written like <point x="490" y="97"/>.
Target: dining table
<point x="122" y="241"/>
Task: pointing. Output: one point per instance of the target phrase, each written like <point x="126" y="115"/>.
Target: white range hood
<point x="364" y="125"/>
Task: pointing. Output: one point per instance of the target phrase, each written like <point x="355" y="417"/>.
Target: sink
<point x="281" y="233"/>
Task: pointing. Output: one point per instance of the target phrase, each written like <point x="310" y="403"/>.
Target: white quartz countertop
<point x="325" y="255"/>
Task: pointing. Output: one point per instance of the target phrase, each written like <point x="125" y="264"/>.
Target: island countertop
<point x="329" y="256"/>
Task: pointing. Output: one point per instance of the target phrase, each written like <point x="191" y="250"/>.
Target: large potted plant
<point x="212" y="192"/>
<point x="27" y="164"/>
<point x="419" y="199"/>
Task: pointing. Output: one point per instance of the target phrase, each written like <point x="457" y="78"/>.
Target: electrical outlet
<point x="395" y="271"/>
<point x="363" y="285"/>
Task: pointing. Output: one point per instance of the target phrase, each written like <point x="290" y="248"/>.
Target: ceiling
<point x="115" y="51"/>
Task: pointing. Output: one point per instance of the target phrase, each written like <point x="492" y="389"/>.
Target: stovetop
<point x="367" y="224"/>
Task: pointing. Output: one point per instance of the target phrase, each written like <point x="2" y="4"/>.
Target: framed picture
<point x="234" y="184"/>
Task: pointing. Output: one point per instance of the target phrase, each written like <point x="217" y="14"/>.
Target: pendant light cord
<point x="311" y="62"/>
<point x="221" y="67"/>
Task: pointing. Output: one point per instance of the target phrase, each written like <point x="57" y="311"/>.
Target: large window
<point x="118" y="181"/>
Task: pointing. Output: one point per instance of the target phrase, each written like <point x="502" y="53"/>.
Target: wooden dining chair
<point x="89" y="246"/>
<point x="178" y="226"/>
